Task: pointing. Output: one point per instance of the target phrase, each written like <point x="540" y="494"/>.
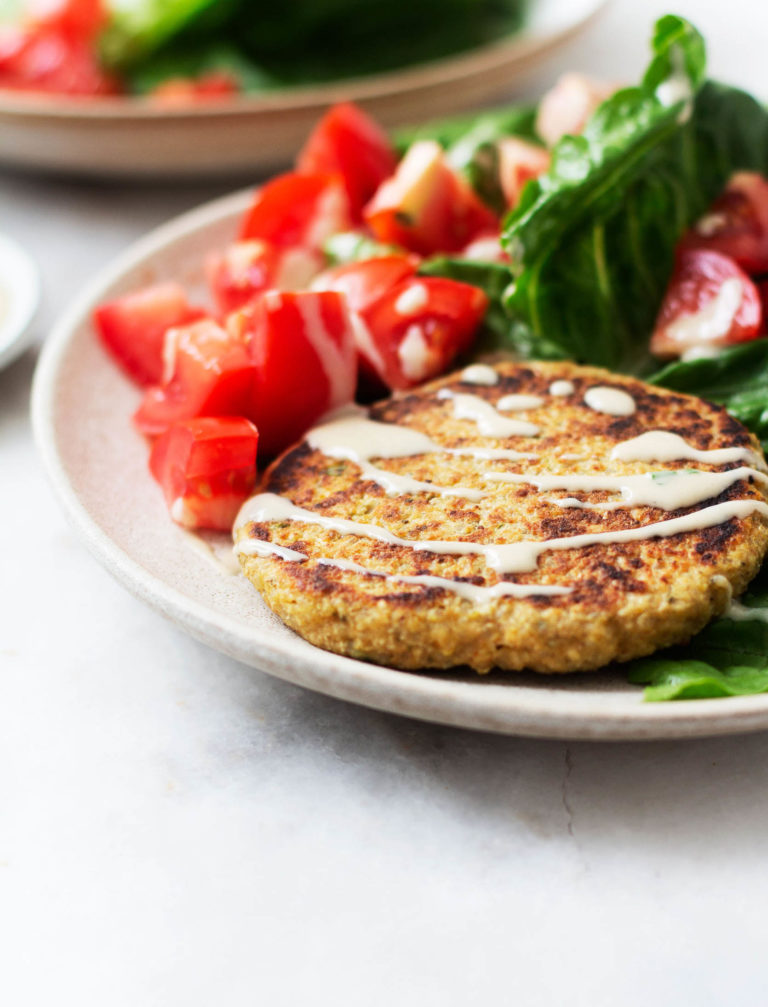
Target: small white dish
<point x="19" y="298"/>
<point x="98" y="465"/>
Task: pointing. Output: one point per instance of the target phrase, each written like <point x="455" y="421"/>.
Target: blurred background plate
<point x="131" y="137"/>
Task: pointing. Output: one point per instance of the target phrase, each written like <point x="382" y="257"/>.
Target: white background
<point x="178" y="829"/>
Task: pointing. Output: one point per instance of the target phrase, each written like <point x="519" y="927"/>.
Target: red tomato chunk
<point x="207" y="469"/>
<point x="426" y="206"/>
<point x="736" y="224"/>
<point x="248" y="268"/>
<point x="421" y="325"/>
<point x="519" y="162"/>
<point x="280" y="356"/>
<point x="346" y="141"/>
<point x="209" y="372"/>
<point x="567" y="106"/>
<point x="408" y="328"/>
<point x="54" y="50"/>
<point x="296" y="209"/>
<point x="133" y="327"/>
<point x="710" y="303"/>
<point x="303" y="352"/>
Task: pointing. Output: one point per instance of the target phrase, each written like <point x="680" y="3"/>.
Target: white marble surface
<point x="177" y="829"/>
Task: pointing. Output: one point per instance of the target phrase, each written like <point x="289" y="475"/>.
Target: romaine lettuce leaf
<point x="670" y="679"/>
<point x="728" y="658"/>
<point x="510" y="120"/>
<point x="592" y="242"/>
<point x="301" y="41"/>
<point x="138" y="28"/>
<point x="737" y="379"/>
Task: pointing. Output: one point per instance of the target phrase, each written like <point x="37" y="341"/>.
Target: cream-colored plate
<point x="98" y="464"/>
<point x="133" y="137"/>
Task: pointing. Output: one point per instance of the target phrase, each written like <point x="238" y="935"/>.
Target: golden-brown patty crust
<point x="624" y="599"/>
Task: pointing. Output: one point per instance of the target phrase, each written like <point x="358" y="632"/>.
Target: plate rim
<point x="472" y="704"/>
<point x="520" y="45"/>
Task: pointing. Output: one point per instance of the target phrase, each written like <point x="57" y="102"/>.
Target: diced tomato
<point x="207" y="469"/>
<point x="363" y="284"/>
<point x="248" y="268"/>
<point x="209" y="372"/>
<point x="347" y="141"/>
<point x="737" y="223"/>
<point x="295" y="209"/>
<point x="185" y="90"/>
<point x="80" y="19"/>
<point x="133" y="327"/>
<point x="710" y="302"/>
<point x="304" y="354"/>
<point x="519" y="162"/>
<point x="420" y="325"/>
<point x="426" y="206"/>
<point x="38" y="58"/>
<point x="567" y="106"/>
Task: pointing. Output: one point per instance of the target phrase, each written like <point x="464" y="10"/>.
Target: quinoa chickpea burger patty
<point x="433" y="530"/>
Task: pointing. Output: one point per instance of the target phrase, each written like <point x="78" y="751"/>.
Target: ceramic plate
<point x="131" y="137"/>
<point x="98" y="464"/>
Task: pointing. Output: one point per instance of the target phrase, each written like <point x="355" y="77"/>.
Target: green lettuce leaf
<point x="297" y="41"/>
<point x="728" y="658"/>
<point x="670" y="679"/>
<point x="472" y="128"/>
<point x="592" y="242"/>
<point x="737" y="379"/>
<point x="138" y="28"/>
<point x="302" y="41"/>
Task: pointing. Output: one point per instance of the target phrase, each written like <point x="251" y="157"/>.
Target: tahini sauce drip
<point x="514" y="557"/>
<point x="489" y="421"/>
<point x="479" y="374"/>
<point x="359" y="439"/>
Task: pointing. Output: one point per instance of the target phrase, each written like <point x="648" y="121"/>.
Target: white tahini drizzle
<point x="335" y="359"/>
<point x="486" y="416"/>
<point x="667" y="490"/>
<point x="476" y="593"/>
<point x="612" y="401"/>
<point x="412" y="299"/>
<point x="480" y="374"/>
<point x="514" y="557"/>
<point x="516" y="403"/>
<point x="742" y="613"/>
<point x="414" y="353"/>
<point x="677" y="87"/>
<point x="713" y="322"/>
<point x="358" y="439"/>
<point x="561" y="388"/>
<point x="710" y="223"/>
<point x="665" y="446"/>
